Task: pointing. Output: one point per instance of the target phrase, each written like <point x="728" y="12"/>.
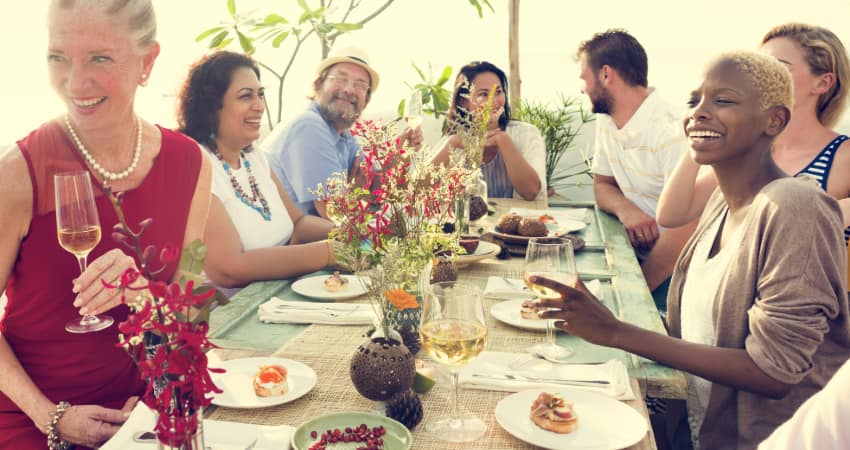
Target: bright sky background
<point x="444" y="32"/>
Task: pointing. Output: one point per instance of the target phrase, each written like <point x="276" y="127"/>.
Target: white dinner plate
<point x="314" y="287"/>
<point x="508" y="312"/>
<point x="237" y="382"/>
<point x="603" y="423"/>
<point x="485" y="250"/>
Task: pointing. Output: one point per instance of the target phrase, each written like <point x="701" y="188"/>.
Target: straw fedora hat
<point x="354" y="56"/>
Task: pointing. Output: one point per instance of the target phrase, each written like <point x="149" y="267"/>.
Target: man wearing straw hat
<point x="317" y="143"/>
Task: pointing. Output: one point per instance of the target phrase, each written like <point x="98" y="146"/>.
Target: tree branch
<point x="366" y="19"/>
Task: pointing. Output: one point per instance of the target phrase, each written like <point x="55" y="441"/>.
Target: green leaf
<point x="303" y="5"/>
<point x="324" y="28"/>
<point x="419" y="71"/>
<point x="275" y="19"/>
<point x="305" y="17"/>
<point x="477" y="7"/>
<point x="225" y="43"/>
<point x="346" y="27"/>
<point x="279" y="39"/>
<point x="192" y="263"/>
<point x="217" y="40"/>
<point x="207" y="33"/>
<point x="401" y="107"/>
<point x="231" y="7"/>
<point x="245" y="42"/>
<point x="447" y="73"/>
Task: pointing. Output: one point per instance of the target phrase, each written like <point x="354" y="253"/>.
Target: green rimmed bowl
<point x="397" y="436"/>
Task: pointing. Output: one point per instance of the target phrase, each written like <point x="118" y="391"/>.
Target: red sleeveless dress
<point x="82" y="368"/>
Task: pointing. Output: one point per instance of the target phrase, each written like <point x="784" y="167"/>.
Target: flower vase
<point x="382" y="366"/>
<point x="182" y="433"/>
<point x="461" y="212"/>
<point x="477" y="192"/>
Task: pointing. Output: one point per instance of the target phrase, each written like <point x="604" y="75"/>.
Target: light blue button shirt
<point x="306" y="152"/>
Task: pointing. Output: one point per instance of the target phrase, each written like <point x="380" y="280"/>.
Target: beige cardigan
<point x="783" y="299"/>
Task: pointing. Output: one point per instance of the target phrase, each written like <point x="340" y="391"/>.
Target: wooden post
<point x="514" y="81"/>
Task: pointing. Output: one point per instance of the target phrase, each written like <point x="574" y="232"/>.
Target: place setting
<point x="568" y="418"/>
<point x="137" y="433"/>
<point x="249" y="383"/>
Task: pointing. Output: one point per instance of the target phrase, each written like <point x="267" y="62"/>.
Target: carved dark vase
<point x="382" y="366"/>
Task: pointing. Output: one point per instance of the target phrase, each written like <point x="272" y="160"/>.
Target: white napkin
<point x="496" y="363"/>
<point x="286" y="311"/>
<point x="217" y="435"/>
<point x="560" y="214"/>
<point x="504" y="288"/>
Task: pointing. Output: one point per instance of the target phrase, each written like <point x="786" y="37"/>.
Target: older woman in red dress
<point x="59" y="389"/>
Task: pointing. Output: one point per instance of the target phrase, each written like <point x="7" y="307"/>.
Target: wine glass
<point x="78" y="230"/>
<point x="454" y="332"/>
<point x="552" y="258"/>
<point x="413" y="109"/>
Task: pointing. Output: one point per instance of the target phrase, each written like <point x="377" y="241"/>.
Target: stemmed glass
<point x="413" y="109"/>
<point x="78" y="230"/>
<point x="454" y="332"/>
<point x="551" y="258"/>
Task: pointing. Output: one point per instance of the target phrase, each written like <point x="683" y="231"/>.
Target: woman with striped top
<point x="819" y="68"/>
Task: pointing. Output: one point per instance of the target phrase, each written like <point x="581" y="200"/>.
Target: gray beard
<point x="337" y="119"/>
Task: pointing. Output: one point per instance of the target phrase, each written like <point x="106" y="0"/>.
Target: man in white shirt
<point x="639" y="140"/>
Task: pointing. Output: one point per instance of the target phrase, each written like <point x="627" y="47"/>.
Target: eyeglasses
<point x="342" y="81"/>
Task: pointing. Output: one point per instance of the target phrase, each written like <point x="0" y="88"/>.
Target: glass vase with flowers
<point x="389" y="218"/>
<point x="469" y="130"/>
<point x="166" y="333"/>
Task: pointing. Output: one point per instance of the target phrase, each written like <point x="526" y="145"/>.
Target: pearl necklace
<point x="111" y="176"/>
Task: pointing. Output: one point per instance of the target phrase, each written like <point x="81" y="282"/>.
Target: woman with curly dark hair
<point x="254" y="231"/>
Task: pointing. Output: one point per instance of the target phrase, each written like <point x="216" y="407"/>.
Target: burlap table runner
<point x="328" y="350"/>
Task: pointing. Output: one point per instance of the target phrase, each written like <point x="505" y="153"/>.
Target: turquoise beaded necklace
<point x="256" y="201"/>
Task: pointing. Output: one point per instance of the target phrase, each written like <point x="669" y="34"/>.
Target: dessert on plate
<point x="554" y="413"/>
<point x="270" y="381"/>
<point x="335" y="282"/>
<point x="530" y="309"/>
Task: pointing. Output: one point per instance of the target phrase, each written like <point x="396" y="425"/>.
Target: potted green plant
<point x="559" y="125"/>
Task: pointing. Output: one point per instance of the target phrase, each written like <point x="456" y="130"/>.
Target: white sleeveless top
<point x="254" y="230"/>
<point x="697" y="309"/>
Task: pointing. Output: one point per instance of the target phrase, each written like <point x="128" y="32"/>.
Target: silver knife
<point x="511" y="377"/>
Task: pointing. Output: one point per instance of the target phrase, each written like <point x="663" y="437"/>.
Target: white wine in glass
<point x="413" y="109"/>
<point x="78" y="231"/>
<point x="453" y="332"/>
<point x="551" y="258"/>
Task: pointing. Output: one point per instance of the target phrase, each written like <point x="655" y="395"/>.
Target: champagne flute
<point x="551" y="258"/>
<point x="78" y="230"/>
<point x="413" y="109"/>
<point x="454" y="332"/>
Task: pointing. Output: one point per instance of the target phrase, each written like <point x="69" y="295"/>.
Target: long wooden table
<point x="328" y="348"/>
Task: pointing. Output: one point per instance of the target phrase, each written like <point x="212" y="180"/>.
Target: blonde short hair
<point x="771" y="78"/>
<point x="138" y="15"/>
<point x="824" y="53"/>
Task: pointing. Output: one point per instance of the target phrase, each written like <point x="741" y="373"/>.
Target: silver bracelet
<point x="54" y="442"/>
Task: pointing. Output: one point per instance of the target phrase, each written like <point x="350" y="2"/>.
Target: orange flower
<point x="400" y="299"/>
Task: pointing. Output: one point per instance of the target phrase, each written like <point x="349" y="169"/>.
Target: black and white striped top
<point x="820" y="166"/>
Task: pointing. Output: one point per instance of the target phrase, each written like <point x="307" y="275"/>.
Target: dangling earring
<point x="144" y="80"/>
